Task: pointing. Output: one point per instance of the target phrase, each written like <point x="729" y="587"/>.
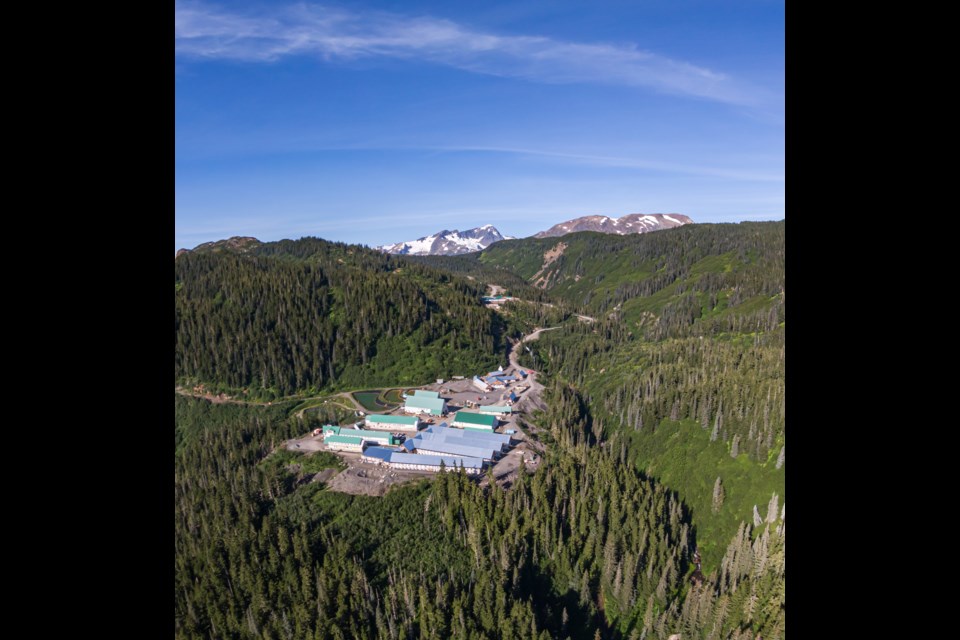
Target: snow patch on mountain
<point x="633" y="223"/>
<point x="447" y="243"/>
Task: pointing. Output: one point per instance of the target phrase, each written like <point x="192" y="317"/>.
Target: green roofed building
<point x="343" y="443"/>
<point x="496" y="411"/>
<point x="476" y="421"/>
<point x="354" y="439"/>
<point x="394" y="423"/>
<point x="425" y="404"/>
<point x="420" y="393"/>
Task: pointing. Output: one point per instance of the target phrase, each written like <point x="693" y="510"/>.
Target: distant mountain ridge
<point x="454" y="243"/>
<point x="632" y="223"/>
<point x="447" y="243"/>
<point x="240" y="244"/>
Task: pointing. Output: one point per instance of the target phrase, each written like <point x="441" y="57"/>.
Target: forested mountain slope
<point x="584" y="546"/>
<point x="664" y="434"/>
<point x="686" y="359"/>
<point x="695" y="278"/>
<point x="293" y="316"/>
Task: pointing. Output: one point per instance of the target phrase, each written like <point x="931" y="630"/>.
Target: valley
<point x="651" y="433"/>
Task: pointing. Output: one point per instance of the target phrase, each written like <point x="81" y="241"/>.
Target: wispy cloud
<point x="629" y="163"/>
<point x="205" y="31"/>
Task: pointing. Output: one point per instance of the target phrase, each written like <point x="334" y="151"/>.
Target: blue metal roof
<point x="381" y="453"/>
<point x="449" y="461"/>
<point x="455" y="448"/>
<point x="473" y="438"/>
<point x="409" y="445"/>
<point x="454" y="433"/>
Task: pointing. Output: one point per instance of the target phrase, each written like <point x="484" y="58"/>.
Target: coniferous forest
<point x="658" y="508"/>
<point x="312" y="315"/>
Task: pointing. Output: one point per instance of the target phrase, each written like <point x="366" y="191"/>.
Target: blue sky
<point x="376" y="122"/>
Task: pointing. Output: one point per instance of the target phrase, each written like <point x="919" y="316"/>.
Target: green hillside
<point x="724" y="276"/>
<point x="293" y="316"/>
<point x="697" y="389"/>
<point x="664" y="431"/>
<point x="584" y="544"/>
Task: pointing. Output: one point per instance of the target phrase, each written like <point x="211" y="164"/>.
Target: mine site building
<point x="340" y="439"/>
<point x="434" y="444"/>
<point x="393" y="423"/>
<point x="400" y="460"/>
<point x="476" y="421"/>
<point x="442" y="430"/>
<point x="496" y="411"/>
<point x="480" y="384"/>
<point x="425" y="402"/>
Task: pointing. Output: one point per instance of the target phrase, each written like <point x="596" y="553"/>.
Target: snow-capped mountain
<point x="448" y="243"/>
<point x="633" y="223"/>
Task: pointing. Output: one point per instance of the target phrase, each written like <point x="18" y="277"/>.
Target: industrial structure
<point x="433" y="448"/>
<point x="425" y="402"/>
<point x="442" y="440"/>
<point x="400" y="460"/>
<point x="496" y="410"/>
<point x="340" y="439"/>
<point x="447" y="432"/>
<point x="478" y="421"/>
<point x="394" y="423"/>
<point x="467" y="440"/>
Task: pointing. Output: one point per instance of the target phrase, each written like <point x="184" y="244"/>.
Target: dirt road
<point x="531" y="399"/>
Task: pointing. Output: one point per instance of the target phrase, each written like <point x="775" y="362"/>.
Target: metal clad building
<point x="432" y="463"/>
<point x="399" y="460"/>
<point x="354" y="439"/>
<point x="425" y="440"/>
<point x="475" y="421"/>
<point x="443" y="447"/>
<point x="397" y="423"/>
<point x="450" y="433"/>
<point x="493" y="410"/>
<point x="425" y="404"/>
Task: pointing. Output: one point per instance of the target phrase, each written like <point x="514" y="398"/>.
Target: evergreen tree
<point x="718" y="495"/>
<point x="773" y="508"/>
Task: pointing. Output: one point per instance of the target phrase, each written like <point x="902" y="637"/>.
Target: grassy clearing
<point x="681" y="455"/>
<point x="302" y="464"/>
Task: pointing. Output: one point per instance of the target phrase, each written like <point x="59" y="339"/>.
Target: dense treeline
<point x="303" y="315"/>
<point x="664" y="434"/>
<point x="586" y="545"/>
<point x="733" y="386"/>
<point x="470" y="265"/>
<point x="691" y="333"/>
